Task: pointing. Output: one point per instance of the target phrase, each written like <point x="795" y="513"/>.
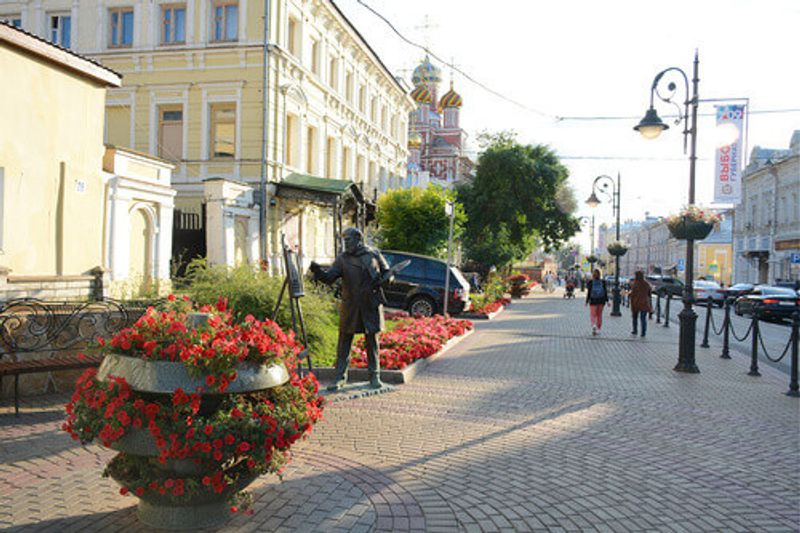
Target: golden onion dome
<point x="426" y="73"/>
<point x="414" y="140"/>
<point x="451" y="99"/>
<point x="422" y="94"/>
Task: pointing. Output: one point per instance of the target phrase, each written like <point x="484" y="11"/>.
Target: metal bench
<point x="58" y="329"/>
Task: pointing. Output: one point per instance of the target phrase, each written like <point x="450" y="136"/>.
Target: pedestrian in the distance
<point x="640" y="302"/>
<point x="596" y="299"/>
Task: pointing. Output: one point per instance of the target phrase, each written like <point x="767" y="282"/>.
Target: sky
<point x="590" y="58"/>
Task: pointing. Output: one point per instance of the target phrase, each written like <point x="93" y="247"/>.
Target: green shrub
<point x="493" y="289"/>
<point x="256" y="293"/>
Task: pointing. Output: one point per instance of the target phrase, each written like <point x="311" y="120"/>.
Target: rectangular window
<point x="330" y="158"/>
<point x="293" y="37"/>
<point x="15" y="20"/>
<point x="60" y="29"/>
<point x="373" y="111"/>
<point x="223" y="131"/>
<point x="173" y="24"/>
<point x="291" y="141"/>
<point x="170" y="132"/>
<point x="362" y="99"/>
<point x="121" y="22"/>
<point x="348" y="87"/>
<point x="225" y="25"/>
<point x="333" y="73"/>
<point x="311" y="150"/>
<point x="346" y="154"/>
<point x="315" y="56"/>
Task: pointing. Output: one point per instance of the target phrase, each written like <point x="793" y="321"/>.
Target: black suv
<point x="419" y="287"/>
<point x="664" y="285"/>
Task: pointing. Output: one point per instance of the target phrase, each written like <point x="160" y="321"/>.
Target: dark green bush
<point x="255" y="293"/>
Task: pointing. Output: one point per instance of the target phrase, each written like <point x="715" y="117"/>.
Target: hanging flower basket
<point x="692" y="223"/>
<point x="617" y="248"/>
<point x="198" y="408"/>
<point x="592" y="259"/>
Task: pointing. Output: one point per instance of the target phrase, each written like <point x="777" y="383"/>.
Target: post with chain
<point x="704" y="344"/>
<point x="794" y="388"/>
<point x="726" y="354"/>
<point x="754" y="347"/>
<point x="658" y="308"/>
<point x="666" y="311"/>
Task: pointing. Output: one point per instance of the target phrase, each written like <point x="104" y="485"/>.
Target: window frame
<point x="213" y="123"/>
<point x="166" y="108"/>
<point x="60" y="16"/>
<point x="316" y="55"/>
<point x="223" y="4"/>
<point x="293" y="37"/>
<point x="172" y="7"/>
<point x="12" y="18"/>
<point x="120" y="12"/>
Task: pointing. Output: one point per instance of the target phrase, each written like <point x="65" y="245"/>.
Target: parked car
<point x="739" y="289"/>
<point x="664" y="285"/>
<point x="789" y="284"/>
<point x="709" y="290"/>
<point x="419" y="287"/>
<point x="768" y="302"/>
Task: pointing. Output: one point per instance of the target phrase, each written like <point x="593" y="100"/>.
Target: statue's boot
<point x="337" y="385"/>
<point x="375" y="382"/>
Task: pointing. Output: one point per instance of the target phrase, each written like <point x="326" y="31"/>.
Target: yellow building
<point x="715" y="261"/>
<point x="193" y="95"/>
<point x="52" y="190"/>
<point x="77" y="218"/>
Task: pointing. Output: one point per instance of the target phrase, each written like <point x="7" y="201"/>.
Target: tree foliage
<point x="518" y="198"/>
<point x="414" y="220"/>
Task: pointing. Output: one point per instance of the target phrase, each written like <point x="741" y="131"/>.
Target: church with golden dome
<point x="436" y="140"/>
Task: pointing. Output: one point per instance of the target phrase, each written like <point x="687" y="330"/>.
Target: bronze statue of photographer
<point x="363" y="270"/>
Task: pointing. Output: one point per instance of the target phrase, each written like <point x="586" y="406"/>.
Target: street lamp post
<point x="601" y="185"/>
<point x="450" y="211"/>
<point x="651" y="127"/>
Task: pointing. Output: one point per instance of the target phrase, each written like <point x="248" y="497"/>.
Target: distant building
<point x="767" y="228"/>
<point x="436" y="139"/>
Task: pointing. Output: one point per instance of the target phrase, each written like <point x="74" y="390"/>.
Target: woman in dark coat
<point x="640" y="302"/>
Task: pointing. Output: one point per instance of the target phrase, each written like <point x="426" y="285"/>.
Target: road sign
<point x="681" y="265"/>
<point x="796" y="259"/>
<point x="713" y="267"/>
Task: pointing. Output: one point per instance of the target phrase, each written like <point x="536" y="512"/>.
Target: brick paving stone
<point x="529" y="425"/>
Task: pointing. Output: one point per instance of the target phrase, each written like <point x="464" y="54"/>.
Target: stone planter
<point x="690" y="229"/>
<point x="160" y="379"/>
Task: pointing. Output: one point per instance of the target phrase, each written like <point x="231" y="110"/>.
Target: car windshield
<point x="706" y="284"/>
<point x="457" y="273"/>
<point x="777" y="291"/>
<point x="741" y="287"/>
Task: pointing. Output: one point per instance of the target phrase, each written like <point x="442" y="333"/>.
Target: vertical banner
<point x="728" y="157"/>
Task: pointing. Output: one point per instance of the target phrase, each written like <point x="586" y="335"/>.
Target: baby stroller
<point x="570" y="292"/>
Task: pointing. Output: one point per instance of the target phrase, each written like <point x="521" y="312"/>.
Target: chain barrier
<point x="714" y="326"/>
<point x="766" y="352"/>
<point x="735" y="336"/>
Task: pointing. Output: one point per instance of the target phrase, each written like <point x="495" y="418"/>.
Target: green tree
<point x="414" y="220"/>
<point x="518" y="198"/>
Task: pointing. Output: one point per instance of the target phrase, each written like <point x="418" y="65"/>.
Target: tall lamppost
<point x="601" y="185"/>
<point x="651" y="127"/>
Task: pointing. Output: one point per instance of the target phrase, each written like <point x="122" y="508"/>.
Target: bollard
<point x="794" y="388"/>
<point x="704" y="344"/>
<point x="658" y="308"/>
<point x="754" y="348"/>
<point x="726" y="354"/>
<point x="666" y="311"/>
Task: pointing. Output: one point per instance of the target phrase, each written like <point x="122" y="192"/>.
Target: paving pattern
<point x="529" y="425"/>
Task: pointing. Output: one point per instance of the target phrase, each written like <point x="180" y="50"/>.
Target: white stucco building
<point x="767" y="221"/>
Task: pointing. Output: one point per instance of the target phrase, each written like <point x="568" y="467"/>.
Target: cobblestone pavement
<point x="529" y="425"/>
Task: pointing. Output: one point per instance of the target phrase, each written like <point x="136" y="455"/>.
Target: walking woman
<point x="640" y="302"/>
<point x="596" y="299"/>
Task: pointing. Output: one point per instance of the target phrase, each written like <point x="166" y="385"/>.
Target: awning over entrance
<point x="316" y="189"/>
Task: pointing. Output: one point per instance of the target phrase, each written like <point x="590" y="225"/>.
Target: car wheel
<point x="421" y="305"/>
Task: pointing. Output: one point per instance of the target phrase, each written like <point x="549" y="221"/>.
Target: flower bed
<point x="186" y="450"/>
<point x="412" y="339"/>
<point x="492" y="307"/>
